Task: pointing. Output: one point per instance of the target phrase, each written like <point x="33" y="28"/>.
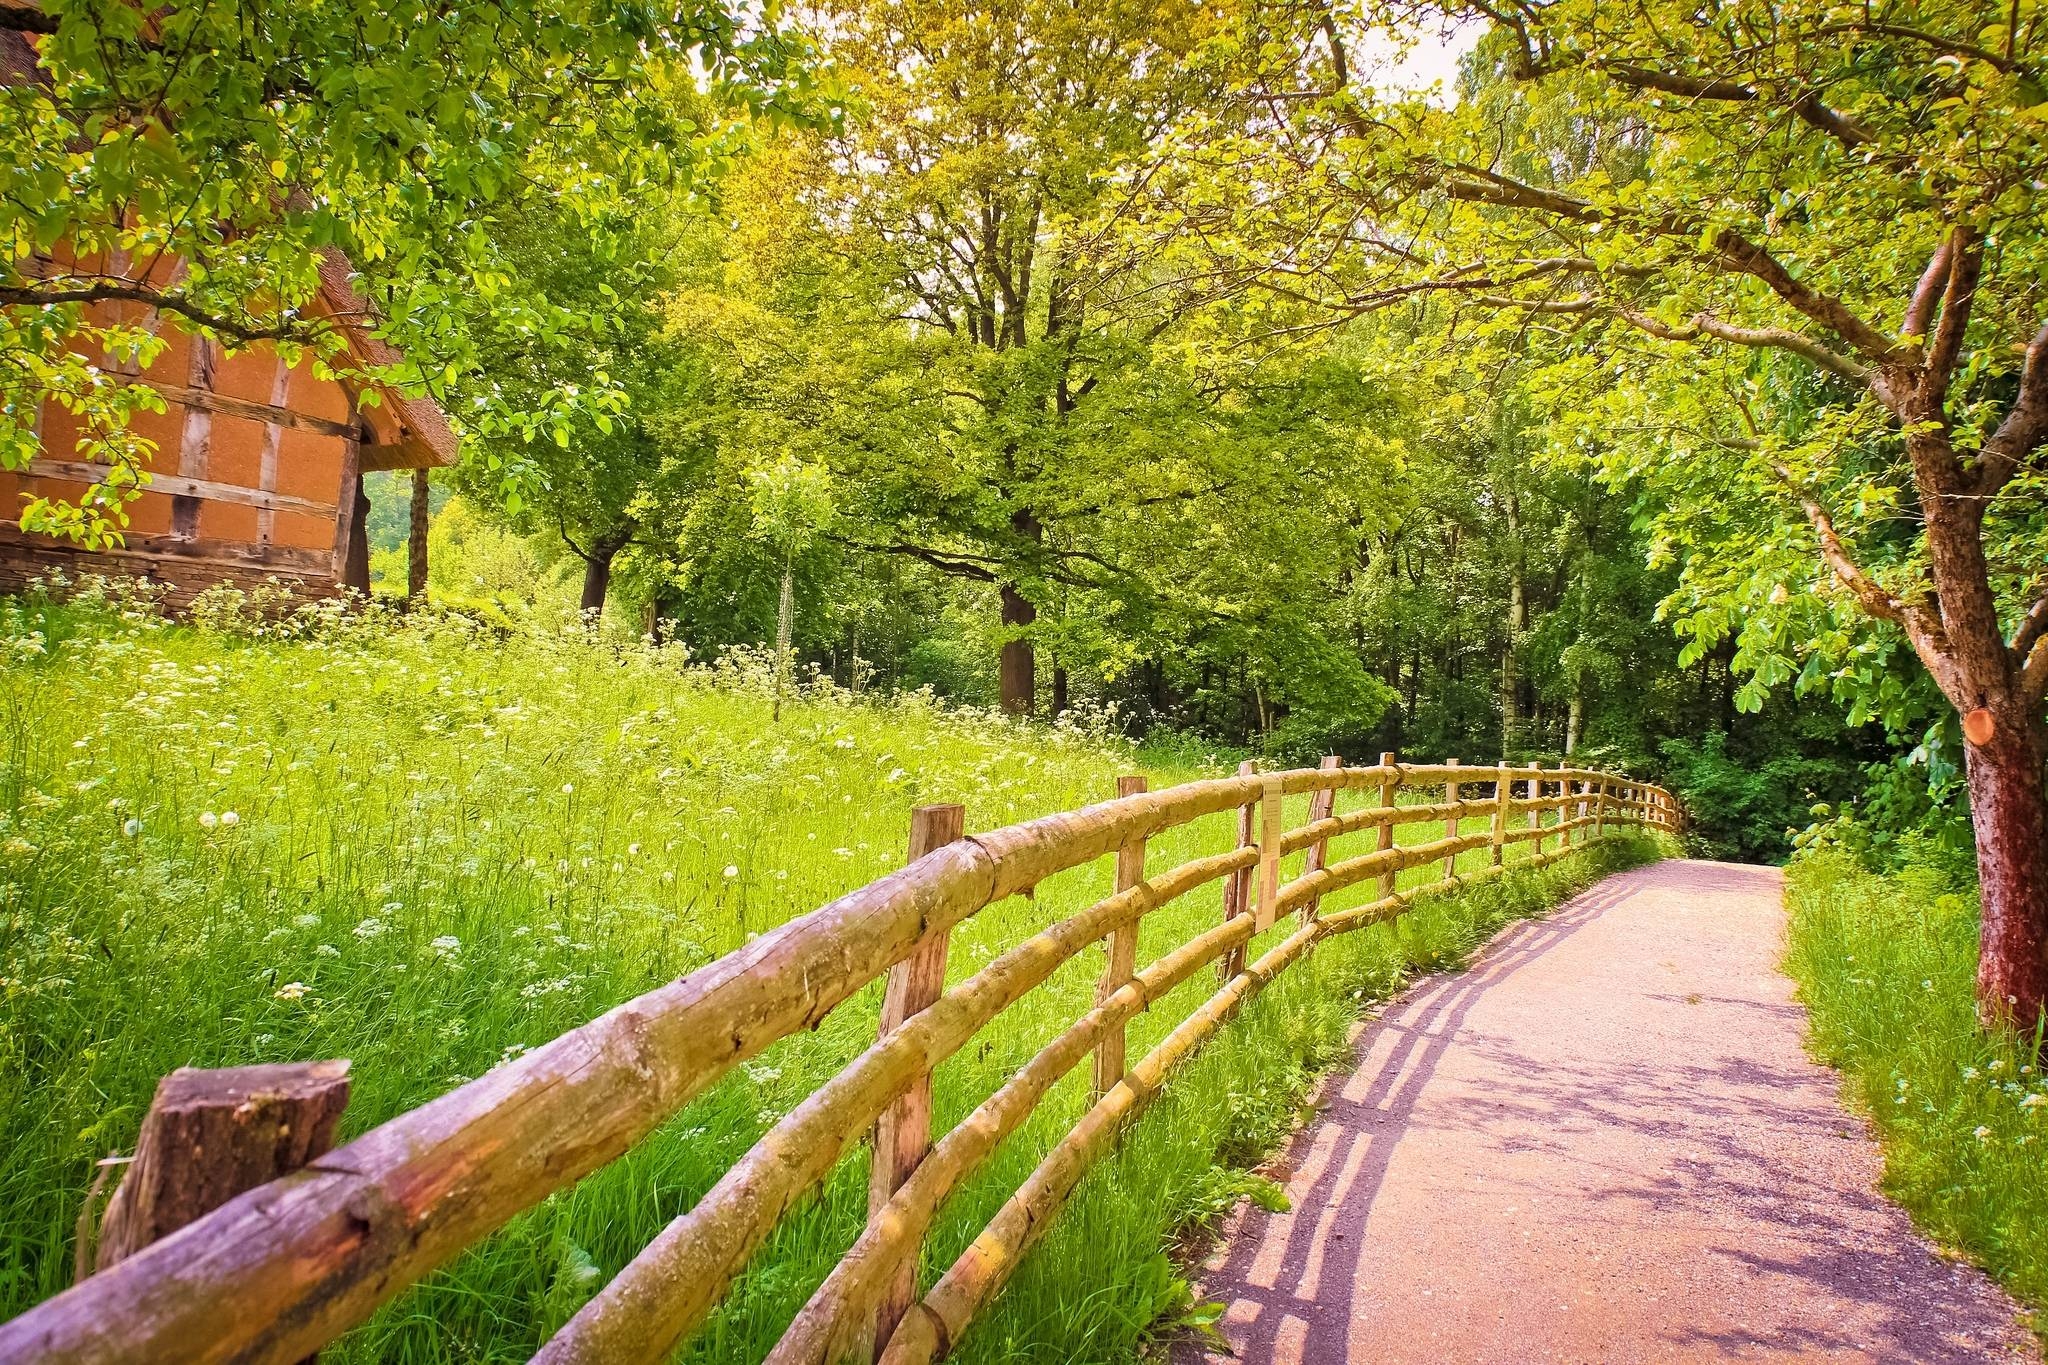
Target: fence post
<point x="1536" y="812"/>
<point x="1272" y="822"/>
<point x="1122" y="948"/>
<point x="1321" y="806"/>
<point x="1388" y="786"/>
<point x="1237" y="891"/>
<point x="1451" y="824"/>
<point x="1600" y="785"/>
<point x="903" y="1134"/>
<point x="210" y="1135"/>
<point x="1503" y="792"/>
<point x="1564" y="805"/>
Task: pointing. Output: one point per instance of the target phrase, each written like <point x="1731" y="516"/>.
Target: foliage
<point x="1885" y="965"/>
<point x="205" y="160"/>
<point x="1747" y="809"/>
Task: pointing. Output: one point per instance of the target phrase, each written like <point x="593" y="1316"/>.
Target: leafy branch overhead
<point x="206" y="163"/>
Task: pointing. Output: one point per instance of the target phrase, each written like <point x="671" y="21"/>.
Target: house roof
<point x="422" y="417"/>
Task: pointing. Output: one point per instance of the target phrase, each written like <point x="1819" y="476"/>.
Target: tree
<point x="1800" y="246"/>
<point x="971" y="188"/>
<point x="206" y="161"/>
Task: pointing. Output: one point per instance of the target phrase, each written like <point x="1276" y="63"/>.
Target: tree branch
<point x="1927" y="294"/>
<point x="1705" y="324"/>
<point x="1730" y="249"/>
<point x="1806" y="106"/>
<point x="301" y="329"/>
<point x="1965" y="262"/>
<point x="1921" y="624"/>
<point x="2025" y="427"/>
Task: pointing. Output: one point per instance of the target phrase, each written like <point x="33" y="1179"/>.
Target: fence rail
<point x="279" y="1271"/>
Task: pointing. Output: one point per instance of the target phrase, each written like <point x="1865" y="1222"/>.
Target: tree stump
<point x="211" y="1135"/>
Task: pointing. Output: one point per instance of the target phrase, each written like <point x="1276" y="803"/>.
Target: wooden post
<point x="1451" y="823"/>
<point x="1321" y="806"/>
<point x="419" y="514"/>
<point x="903" y="1134"/>
<point x="1122" y="948"/>
<point x="1584" y="787"/>
<point x="1564" y="804"/>
<point x="211" y="1135"/>
<point x="1272" y="824"/>
<point x="1535" y="813"/>
<point x="1600" y="785"/>
<point x="1388" y="786"/>
<point x="1503" y="792"/>
<point x="1237" y="892"/>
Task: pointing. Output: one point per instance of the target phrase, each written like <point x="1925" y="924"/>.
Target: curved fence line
<point x="281" y="1270"/>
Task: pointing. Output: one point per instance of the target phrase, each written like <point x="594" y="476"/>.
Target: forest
<point x="870" y="403"/>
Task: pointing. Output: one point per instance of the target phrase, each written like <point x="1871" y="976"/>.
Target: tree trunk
<point x="1019" y="664"/>
<point x="2009" y="811"/>
<point x="1018" y="669"/>
<point x="785" y="614"/>
<point x="1059" y="689"/>
<point x="1518" y="621"/>
<point x="2003" y="742"/>
<point x="597" y="579"/>
<point x="416" y="538"/>
<point x="1575" y="718"/>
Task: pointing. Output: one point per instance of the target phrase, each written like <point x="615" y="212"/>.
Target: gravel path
<point x="1604" y="1142"/>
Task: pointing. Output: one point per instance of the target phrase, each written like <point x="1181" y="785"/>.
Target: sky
<point x="1432" y="61"/>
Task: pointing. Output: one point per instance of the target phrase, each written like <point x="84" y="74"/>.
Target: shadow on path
<point x="1600" y="1142"/>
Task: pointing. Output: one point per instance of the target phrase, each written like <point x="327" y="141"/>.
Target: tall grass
<point x="428" y="847"/>
<point x="1887" y="967"/>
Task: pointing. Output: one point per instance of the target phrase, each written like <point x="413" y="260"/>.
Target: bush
<point x="1747" y="810"/>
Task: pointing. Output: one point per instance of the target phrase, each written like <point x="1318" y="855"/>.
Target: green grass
<point x="449" y="845"/>
<point x="1887" y="967"/>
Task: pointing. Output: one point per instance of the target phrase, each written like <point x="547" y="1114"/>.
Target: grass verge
<point x="1887" y="968"/>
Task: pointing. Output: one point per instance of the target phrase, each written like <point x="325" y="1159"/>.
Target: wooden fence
<point x="280" y="1270"/>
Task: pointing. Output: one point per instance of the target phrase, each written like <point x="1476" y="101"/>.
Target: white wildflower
<point x="290" y="990"/>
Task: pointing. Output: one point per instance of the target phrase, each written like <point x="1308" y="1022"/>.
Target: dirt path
<point x="1602" y="1143"/>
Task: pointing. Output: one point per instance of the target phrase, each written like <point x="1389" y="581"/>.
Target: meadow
<point x="1886" y="966"/>
<point x="427" y="846"/>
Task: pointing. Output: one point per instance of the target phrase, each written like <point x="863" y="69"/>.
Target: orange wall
<point x="308" y="463"/>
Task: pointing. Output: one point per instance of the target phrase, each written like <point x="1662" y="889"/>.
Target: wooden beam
<point x="1388" y="788"/>
<point x="273" y="441"/>
<point x="345" y="499"/>
<point x="1237" y="892"/>
<point x="904" y="1132"/>
<point x="410" y="453"/>
<point x="1271" y="829"/>
<point x="170" y="550"/>
<point x="205" y="490"/>
<point x="1321" y="806"/>
<point x="208" y="401"/>
<point x="1121" y="948"/>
